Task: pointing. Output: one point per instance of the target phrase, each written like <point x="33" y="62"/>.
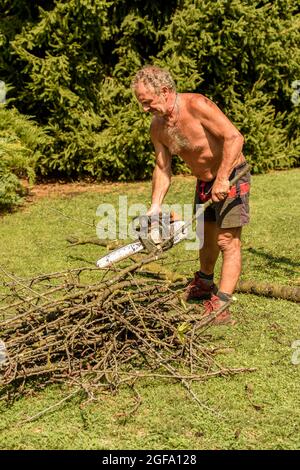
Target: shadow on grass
<point x="271" y="259"/>
<point x="80" y="258"/>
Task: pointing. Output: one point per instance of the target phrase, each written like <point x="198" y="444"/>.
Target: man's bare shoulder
<point x="197" y="103"/>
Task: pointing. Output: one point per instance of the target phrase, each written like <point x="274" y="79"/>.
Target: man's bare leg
<point x="229" y="242"/>
<point x="210" y="250"/>
<point x="202" y="286"/>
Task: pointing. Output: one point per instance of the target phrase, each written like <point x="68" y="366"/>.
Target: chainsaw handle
<point x="231" y="183"/>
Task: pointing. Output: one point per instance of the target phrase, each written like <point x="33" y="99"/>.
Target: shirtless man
<point x="193" y="127"/>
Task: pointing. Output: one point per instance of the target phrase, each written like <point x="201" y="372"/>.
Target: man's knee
<point x="229" y="239"/>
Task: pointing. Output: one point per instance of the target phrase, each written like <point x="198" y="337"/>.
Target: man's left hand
<point x="220" y="190"/>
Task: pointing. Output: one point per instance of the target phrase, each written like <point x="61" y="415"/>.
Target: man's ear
<point x="165" y="90"/>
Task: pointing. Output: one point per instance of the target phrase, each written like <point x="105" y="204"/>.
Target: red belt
<point x="243" y="188"/>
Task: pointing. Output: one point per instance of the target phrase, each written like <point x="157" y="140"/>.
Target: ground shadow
<point x="281" y="261"/>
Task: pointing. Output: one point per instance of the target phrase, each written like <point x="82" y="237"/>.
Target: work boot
<point x="200" y="289"/>
<point x="212" y="306"/>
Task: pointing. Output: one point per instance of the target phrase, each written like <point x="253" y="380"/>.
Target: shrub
<point x="20" y="140"/>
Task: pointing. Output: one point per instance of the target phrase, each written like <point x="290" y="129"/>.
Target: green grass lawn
<point x="259" y="410"/>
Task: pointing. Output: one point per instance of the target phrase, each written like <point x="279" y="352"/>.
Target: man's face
<point x="150" y="101"/>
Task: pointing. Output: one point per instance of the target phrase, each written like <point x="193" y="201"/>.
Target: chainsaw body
<point x="155" y="234"/>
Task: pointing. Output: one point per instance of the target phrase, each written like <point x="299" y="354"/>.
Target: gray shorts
<point x="234" y="210"/>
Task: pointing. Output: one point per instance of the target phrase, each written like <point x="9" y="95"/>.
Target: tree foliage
<point x="69" y="64"/>
<point x="21" y="144"/>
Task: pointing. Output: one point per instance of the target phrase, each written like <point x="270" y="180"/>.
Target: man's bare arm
<point x="161" y="177"/>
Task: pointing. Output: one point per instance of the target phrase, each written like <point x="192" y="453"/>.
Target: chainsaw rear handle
<point x="231" y="183"/>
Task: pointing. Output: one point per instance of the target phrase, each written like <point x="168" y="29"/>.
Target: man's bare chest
<point x="182" y="135"/>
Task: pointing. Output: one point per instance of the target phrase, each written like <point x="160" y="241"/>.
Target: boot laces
<point x="212" y="304"/>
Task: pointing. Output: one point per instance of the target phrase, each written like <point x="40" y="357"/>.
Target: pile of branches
<point x="94" y="335"/>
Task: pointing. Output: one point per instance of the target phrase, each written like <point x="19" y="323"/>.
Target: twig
<point x="52" y="407"/>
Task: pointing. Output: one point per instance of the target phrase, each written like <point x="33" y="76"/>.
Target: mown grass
<point x="259" y="410"/>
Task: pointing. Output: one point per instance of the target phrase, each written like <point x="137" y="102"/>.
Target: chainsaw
<point x="159" y="232"/>
<point x="154" y="234"/>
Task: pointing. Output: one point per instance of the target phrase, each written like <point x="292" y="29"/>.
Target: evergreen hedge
<point x="69" y="64"/>
<point x="20" y="140"/>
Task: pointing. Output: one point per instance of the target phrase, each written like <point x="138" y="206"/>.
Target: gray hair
<point x="154" y="77"/>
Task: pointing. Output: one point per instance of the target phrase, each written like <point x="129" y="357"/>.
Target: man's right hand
<point x="155" y="209"/>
